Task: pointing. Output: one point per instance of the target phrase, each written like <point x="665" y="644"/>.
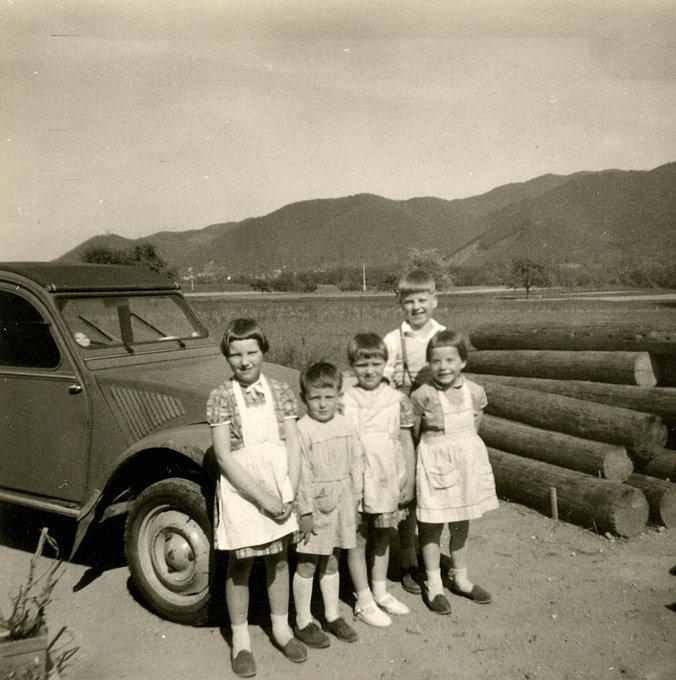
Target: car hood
<point x="150" y="394"/>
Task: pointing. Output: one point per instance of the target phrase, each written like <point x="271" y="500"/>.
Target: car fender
<point x="192" y="441"/>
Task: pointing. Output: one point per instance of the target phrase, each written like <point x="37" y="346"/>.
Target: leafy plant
<point x="27" y="614"/>
<point x="27" y="618"/>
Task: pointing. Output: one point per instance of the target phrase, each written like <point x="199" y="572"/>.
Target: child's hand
<point x="306" y="525"/>
<point x="406" y="493"/>
<point x="271" y="504"/>
<point x="288" y="508"/>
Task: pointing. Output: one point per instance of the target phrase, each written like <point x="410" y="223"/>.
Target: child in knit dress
<point x="329" y="492"/>
<point x="253" y="428"/>
<point x="383" y="417"/>
<point x="454" y="479"/>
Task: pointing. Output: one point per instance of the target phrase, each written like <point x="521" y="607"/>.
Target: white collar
<point x="434" y="327"/>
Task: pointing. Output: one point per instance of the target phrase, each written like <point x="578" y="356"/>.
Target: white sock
<point x="379" y="589"/>
<point x="461" y="581"/>
<point x="329" y="584"/>
<point x="302" y="598"/>
<point x="240" y="638"/>
<point x="433" y="583"/>
<point x="281" y="630"/>
<point x="364" y="598"/>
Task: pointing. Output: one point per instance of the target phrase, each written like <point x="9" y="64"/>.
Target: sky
<point x="133" y="117"/>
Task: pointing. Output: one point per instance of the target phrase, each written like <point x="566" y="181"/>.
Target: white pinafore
<point x="239" y="523"/>
<point x="377" y="419"/>
<point x="454" y="478"/>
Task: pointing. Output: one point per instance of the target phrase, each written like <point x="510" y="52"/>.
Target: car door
<point x="44" y="415"/>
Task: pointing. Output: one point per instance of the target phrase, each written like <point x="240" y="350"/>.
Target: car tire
<point x="169" y="551"/>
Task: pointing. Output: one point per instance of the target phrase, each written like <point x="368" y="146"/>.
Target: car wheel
<point x="168" y="550"/>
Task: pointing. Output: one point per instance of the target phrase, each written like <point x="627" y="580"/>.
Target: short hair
<point x="320" y="374"/>
<point x="448" y="338"/>
<point x="416" y="281"/>
<point x="243" y="329"/>
<point x="366" y="346"/>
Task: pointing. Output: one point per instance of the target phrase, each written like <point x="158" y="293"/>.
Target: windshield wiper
<point x="105" y="334"/>
<point x="163" y="335"/>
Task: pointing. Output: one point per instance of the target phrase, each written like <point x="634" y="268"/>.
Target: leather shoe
<point x="439" y="604"/>
<point x="244" y="665"/>
<point x="410" y="581"/>
<point x="312" y="635"/>
<point x="477" y="594"/>
<point x="294" y="650"/>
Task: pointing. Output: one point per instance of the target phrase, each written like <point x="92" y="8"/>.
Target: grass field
<point x="302" y="329"/>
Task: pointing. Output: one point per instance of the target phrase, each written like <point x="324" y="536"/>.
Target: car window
<point x="128" y="320"/>
<point x="25" y="336"/>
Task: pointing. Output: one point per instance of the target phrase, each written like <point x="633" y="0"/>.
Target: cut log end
<point x="630" y="516"/>
<point x="617" y="465"/>
<point x="661" y="497"/>
<point x="644" y="374"/>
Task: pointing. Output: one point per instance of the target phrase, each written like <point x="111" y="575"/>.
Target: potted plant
<point x="24" y="646"/>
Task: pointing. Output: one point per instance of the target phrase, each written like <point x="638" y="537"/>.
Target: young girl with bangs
<point x="253" y="428"/>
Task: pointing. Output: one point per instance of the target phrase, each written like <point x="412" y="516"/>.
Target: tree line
<point x="523" y="273"/>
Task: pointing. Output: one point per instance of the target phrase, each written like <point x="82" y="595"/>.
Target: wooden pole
<point x="614" y="337"/>
<point x="624" y="368"/>
<point x="585" y="500"/>
<point x="661" y="498"/>
<point x="660" y="401"/>
<point x="595" y="458"/>
<point x="640" y="433"/>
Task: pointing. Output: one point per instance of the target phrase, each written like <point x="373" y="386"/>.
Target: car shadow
<point x="101" y="550"/>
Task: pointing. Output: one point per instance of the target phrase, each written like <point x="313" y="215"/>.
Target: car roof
<point x="55" y="277"/>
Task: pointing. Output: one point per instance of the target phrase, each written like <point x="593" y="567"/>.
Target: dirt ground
<point x="567" y="604"/>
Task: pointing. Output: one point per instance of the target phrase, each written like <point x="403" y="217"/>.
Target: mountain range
<point x="610" y="215"/>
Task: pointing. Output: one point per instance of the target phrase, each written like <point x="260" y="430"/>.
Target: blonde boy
<point x="406" y="369"/>
<point x="406" y="366"/>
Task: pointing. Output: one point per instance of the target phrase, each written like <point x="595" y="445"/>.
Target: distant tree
<point x="526" y="273"/>
<point x="432" y="261"/>
<point x="294" y="282"/>
<point x="389" y="282"/>
<point x="143" y="255"/>
<point x="261" y="285"/>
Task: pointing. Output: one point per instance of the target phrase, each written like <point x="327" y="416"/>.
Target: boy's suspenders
<point x="404" y="359"/>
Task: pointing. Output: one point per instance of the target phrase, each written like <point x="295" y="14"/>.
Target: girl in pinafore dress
<point x="383" y="417"/>
<point x="329" y="492"/>
<point x="253" y="428"/>
<point x="454" y="479"/>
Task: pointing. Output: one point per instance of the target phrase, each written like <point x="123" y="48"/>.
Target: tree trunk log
<point x="595" y="458"/>
<point x="640" y="433"/>
<point x="662" y="465"/>
<point x="661" y="497"/>
<point x="593" y="502"/>
<point x="660" y="401"/>
<point x="613" y="337"/>
<point x="623" y="368"/>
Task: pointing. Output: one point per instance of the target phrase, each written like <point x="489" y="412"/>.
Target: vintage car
<point x="104" y="375"/>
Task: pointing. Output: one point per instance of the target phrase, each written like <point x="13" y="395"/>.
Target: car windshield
<point x="129" y="320"/>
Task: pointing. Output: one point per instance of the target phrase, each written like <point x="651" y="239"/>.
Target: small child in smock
<point x="454" y="479"/>
<point x="253" y="428"/>
<point x="383" y="417"/>
<point x="329" y="492"/>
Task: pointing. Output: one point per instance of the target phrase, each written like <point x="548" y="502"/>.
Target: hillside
<point x="583" y="217"/>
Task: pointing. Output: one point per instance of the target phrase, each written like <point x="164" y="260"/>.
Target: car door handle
<point x="74" y="388"/>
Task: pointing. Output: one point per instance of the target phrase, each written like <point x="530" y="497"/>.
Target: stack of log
<point x="579" y="419"/>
